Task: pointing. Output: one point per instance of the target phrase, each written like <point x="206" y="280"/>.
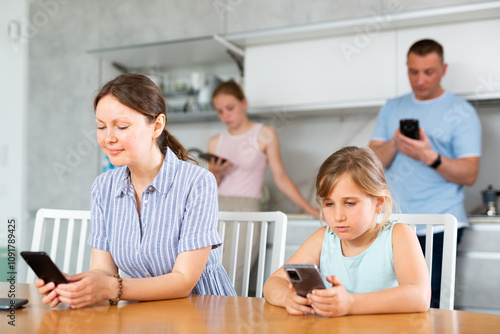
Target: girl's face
<point x="350" y="212"/>
<point x="230" y="110"/>
<point x="126" y="136"/>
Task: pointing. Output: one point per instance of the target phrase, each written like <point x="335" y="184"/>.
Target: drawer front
<point x="477" y="282"/>
<point x="481" y="237"/>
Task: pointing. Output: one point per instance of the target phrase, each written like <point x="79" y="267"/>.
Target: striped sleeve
<point x="199" y="225"/>
<point x="97" y="236"/>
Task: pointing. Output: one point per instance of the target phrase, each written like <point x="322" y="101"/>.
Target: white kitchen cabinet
<point x="334" y="70"/>
<point x="360" y="63"/>
<point x="471" y="50"/>
<point x="478" y="268"/>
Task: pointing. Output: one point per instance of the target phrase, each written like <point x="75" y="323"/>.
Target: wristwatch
<point x="437" y="162"/>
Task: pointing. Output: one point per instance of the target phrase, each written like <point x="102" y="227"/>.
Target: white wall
<point x="13" y="97"/>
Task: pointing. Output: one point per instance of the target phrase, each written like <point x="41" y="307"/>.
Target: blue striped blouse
<point x="179" y="213"/>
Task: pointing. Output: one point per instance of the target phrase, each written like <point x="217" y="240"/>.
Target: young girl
<point x="370" y="266"/>
<point x="155" y="218"/>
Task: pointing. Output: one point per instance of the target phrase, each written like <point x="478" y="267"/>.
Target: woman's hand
<point x="49" y="291"/>
<point x="87" y="288"/>
<point x="331" y="302"/>
<point x="296" y="304"/>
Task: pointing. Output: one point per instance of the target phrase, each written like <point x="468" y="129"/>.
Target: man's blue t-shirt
<point x="454" y="131"/>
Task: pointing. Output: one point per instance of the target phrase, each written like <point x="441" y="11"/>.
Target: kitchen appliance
<point x="490" y="200"/>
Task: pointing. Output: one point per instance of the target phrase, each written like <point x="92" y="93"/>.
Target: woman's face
<point x="230" y="110"/>
<point x="126" y="136"/>
<point x="349" y="211"/>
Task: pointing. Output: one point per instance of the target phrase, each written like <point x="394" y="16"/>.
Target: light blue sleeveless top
<point x="372" y="270"/>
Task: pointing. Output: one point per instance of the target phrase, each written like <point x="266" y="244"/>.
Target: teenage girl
<point x="369" y="264"/>
<point x="248" y="148"/>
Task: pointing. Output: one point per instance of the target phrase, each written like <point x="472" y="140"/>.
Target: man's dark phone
<point x="409" y="128"/>
<point x="43" y="267"/>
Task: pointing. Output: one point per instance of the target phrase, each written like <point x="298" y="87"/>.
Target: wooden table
<point x="216" y="314"/>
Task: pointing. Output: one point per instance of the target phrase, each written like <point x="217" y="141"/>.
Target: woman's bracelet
<point x="114" y="302"/>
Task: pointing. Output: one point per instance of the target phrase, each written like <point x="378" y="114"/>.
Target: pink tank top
<point x="246" y="176"/>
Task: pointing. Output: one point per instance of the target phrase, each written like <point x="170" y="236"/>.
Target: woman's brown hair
<point x="365" y="170"/>
<point x="139" y="93"/>
<point x="229" y="88"/>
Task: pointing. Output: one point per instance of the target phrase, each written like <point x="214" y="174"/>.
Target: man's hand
<point x="417" y="149"/>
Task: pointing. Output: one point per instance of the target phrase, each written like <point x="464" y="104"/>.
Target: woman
<point x="154" y="218"/>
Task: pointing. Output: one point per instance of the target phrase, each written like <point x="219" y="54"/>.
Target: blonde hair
<point x="365" y="170"/>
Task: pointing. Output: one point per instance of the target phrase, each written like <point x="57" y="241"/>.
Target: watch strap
<point x="437" y="162"/>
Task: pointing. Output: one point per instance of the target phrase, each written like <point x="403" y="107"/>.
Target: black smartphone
<point x="9" y="304"/>
<point x="410" y="128"/>
<point x="304" y="278"/>
<point x="44" y="267"/>
<point x="209" y="156"/>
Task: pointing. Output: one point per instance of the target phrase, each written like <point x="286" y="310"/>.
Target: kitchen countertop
<point x="481" y="219"/>
<point x="300" y="216"/>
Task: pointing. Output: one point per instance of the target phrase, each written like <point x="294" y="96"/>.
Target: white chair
<point x="248" y="220"/>
<point x="54" y="221"/>
<point x="449" y="223"/>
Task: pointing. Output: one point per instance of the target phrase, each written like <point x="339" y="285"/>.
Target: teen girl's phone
<point x="209" y="156"/>
<point x="304" y="278"/>
<point x="44" y="267"/>
<point x="410" y="128"/>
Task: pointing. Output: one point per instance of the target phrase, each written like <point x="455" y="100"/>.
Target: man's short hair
<point x="425" y="47"/>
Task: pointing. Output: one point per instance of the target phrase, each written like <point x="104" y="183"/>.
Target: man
<point x="427" y="175"/>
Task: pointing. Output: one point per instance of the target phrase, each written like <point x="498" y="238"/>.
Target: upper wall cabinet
<point x="166" y="54"/>
<point x="186" y="70"/>
<point x="471" y="50"/>
<point x="359" y="63"/>
<point x="338" y="71"/>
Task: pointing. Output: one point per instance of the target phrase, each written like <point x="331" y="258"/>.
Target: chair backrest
<point x="448" y="222"/>
<point x="74" y="225"/>
<point x="278" y="220"/>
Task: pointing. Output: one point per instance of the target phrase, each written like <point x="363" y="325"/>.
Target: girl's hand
<point x="331" y="302"/>
<point x="296" y="304"/>
<point x="217" y="167"/>
<point x="87" y="288"/>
